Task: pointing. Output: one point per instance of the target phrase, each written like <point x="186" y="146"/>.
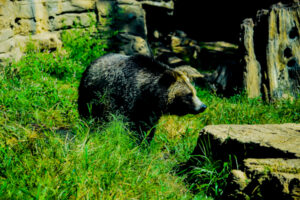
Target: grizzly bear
<point x="137" y="87"/>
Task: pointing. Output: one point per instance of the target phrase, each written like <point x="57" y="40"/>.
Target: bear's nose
<point x="203" y="107"/>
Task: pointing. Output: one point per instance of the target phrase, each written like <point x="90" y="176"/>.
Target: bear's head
<point x="182" y="95"/>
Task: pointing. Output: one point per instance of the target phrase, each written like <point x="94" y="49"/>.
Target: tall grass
<point x="179" y="135"/>
<point x="48" y="152"/>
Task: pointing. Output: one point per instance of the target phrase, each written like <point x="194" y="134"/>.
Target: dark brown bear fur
<point x="137" y="87"/>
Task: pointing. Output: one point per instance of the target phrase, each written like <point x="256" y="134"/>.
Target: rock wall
<point x="41" y="22"/>
<point x="272" y="52"/>
<point x="38" y="21"/>
<point x="270" y="43"/>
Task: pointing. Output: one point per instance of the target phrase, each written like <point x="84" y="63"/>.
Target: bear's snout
<point x="202" y="108"/>
<point x="199" y="106"/>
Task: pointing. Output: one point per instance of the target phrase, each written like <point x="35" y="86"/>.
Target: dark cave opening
<point x="216" y="20"/>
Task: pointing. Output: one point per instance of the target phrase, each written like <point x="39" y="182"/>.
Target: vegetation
<point x="48" y="152"/>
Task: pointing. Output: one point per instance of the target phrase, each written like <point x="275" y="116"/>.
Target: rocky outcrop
<point x="269" y="48"/>
<point x="252" y="69"/>
<point x="265" y="179"/>
<point x="268" y="158"/>
<point x="219" y="61"/>
<point x="272" y="52"/>
<point x="127" y="17"/>
<point x="26" y="20"/>
<point x="23" y="22"/>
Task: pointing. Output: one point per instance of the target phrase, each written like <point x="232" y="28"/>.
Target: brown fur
<point x="137" y="87"/>
<point x="180" y="87"/>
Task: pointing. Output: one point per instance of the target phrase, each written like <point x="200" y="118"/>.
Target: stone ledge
<point x="268" y="159"/>
<point x="255" y="141"/>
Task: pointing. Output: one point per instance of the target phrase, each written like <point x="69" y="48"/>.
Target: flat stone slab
<point x="274" y="165"/>
<point x="267" y="157"/>
<point x="255" y="141"/>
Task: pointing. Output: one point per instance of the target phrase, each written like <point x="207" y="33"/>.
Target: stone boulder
<point x="267" y="157"/>
<point x="169" y="4"/>
<point x="129" y="18"/>
<point x="13" y="48"/>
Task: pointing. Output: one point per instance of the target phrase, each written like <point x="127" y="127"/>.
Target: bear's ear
<point x="168" y="77"/>
<point x="190" y="72"/>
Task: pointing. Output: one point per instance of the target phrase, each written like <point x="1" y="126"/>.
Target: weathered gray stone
<point x="128" y="2"/>
<point x="5" y="57"/>
<point x="19" y="19"/>
<point x="70" y="20"/>
<point x="86" y="4"/>
<point x="277" y="50"/>
<point x="105" y="7"/>
<point x="5" y="34"/>
<point x="4" y="23"/>
<point x="238" y="181"/>
<point x="133" y="20"/>
<point x="274" y="177"/>
<point x="24" y="27"/>
<point x="41" y="17"/>
<point x="268" y="157"/>
<point x="24" y="9"/>
<point x="283" y="75"/>
<point x="14" y="55"/>
<point x="275" y="165"/>
<point x="57" y="7"/>
<point x="68" y="7"/>
<point x="6" y="8"/>
<point x="270" y="140"/>
<point x="14" y="47"/>
<point x="128" y="15"/>
<point x="181" y="44"/>
<point x="161" y="3"/>
<point x="7" y="45"/>
<point x="176" y="45"/>
<point x="45" y="40"/>
<point x="252" y="73"/>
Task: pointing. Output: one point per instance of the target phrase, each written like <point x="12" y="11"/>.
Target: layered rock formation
<point x="41" y="21"/>
<point x="268" y="158"/>
<point x="272" y="52"/>
<point x="38" y="21"/>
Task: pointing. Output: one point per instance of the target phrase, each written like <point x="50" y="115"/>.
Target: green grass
<point x="179" y="134"/>
<point x="48" y="152"/>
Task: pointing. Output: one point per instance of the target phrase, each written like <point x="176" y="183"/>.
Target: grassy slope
<point x="47" y="151"/>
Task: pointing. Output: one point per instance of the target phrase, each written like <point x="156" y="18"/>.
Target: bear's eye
<point x="189" y="95"/>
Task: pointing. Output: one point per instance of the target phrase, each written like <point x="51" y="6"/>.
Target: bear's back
<point x="104" y="67"/>
<point x="130" y="81"/>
